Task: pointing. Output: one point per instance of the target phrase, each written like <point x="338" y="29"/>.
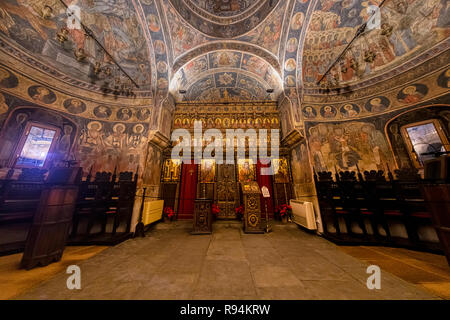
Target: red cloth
<point x="265" y="181"/>
<point x="188" y="191"/>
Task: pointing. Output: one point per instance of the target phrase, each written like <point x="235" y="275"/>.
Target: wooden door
<point x="226" y="191"/>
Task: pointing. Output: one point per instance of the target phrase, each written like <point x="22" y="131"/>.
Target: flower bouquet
<point x="284" y="212"/>
<point x="215" y="210"/>
<point x="169" y="213"/>
<point x="240" y="212"/>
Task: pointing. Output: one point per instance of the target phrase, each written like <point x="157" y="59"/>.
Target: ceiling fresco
<point x="224" y="19"/>
<point x="223" y="8"/>
<point x="114" y="24"/>
<point x="408" y="29"/>
<point x="226" y="69"/>
<point x="230" y="47"/>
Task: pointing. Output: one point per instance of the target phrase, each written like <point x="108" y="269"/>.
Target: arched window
<point x="35" y="145"/>
<point x="425" y="140"/>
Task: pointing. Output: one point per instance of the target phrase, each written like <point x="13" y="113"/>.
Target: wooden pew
<point x="377" y="199"/>
<point x="101" y="201"/>
<point x="19" y="198"/>
<point x="326" y="189"/>
<point x="349" y="191"/>
<point x="412" y="202"/>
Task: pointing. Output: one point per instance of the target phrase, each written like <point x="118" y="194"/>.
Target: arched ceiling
<point x="114" y="23"/>
<point x="409" y="28"/>
<point x="208" y="76"/>
<point x="224" y="19"/>
<point x="227" y="47"/>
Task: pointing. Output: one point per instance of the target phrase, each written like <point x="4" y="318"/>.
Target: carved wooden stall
<point x="48" y="234"/>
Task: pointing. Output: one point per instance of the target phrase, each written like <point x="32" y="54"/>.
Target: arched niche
<point x="439" y="115"/>
<point x="14" y="129"/>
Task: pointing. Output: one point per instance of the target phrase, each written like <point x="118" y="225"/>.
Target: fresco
<point x="224" y="8"/>
<point x="243" y="70"/>
<point x="412" y="93"/>
<point x="377" y="104"/>
<point x="7" y="79"/>
<point x="309" y="112"/>
<point x="409" y="29"/>
<point x="224" y="19"/>
<point x="301" y="169"/>
<point x="444" y="79"/>
<point x="225" y="59"/>
<point x="102" y="112"/>
<point x="350" y="110"/>
<point x="104" y="146"/>
<point x="114" y="23"/>
<point x="348" y="144"/>
<point x="42" y="94"/>
<point x="268" y="34"/>
<point x="328" y="112"/>
<point x="182" y="35"/>
<point x="75" y="106"/>
<point x="226" y="85"/>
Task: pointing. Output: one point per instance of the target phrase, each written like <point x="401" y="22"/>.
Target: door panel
<point x="226" y="191"/>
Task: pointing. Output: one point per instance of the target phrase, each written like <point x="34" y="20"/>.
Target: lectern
<point x="252" y="207"/>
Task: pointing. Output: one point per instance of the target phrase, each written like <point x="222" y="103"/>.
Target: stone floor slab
<point x="170" y="263"/>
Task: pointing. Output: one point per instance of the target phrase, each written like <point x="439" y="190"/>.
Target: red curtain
<point x="265" y="181"/>
<point x="188" y="191"/>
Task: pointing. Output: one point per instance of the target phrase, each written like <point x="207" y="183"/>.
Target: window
<point x="423" y="139"/>
<point x="35" y="145"/>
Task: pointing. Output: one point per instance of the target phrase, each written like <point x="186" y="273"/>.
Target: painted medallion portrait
<point x="161" y="67"/>
<point x="41" y="94"/>
<point x="413" y="93"/>
<point x="350" y="110"/>
<point x="444" y="79"/>
<point x="153" y="23"/>
<point x="7" y="79"/>
<point x="309" y="112"/>
<point x="292" y="45"/>
<point x="143" y="114"/>
<point x="124" y="114"/>
<point x="328" y="112"/>
<point x="297" y="21"/>
<point x="378" y="104"/>
<point x="289" y="81"/>
<point x="290" y="65"/>
<point x="74" y="106"/>
<point x="160" y="47"/>
<point x="102" y="112"/>
<point x="138" y="129"/>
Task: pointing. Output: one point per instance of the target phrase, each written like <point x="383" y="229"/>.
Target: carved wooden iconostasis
<point x="221" y="182"/>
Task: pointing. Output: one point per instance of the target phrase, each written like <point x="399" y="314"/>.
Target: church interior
<point x="96" y="97"/>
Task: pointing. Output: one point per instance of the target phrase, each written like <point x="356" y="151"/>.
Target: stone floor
<point x="287" y="264"/>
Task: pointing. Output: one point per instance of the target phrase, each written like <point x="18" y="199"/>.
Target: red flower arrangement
<point x="215" y="210"/>
<point x="169" y="213"/>
<point x="284" y="210"/>
<point x="240" y="212"/>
